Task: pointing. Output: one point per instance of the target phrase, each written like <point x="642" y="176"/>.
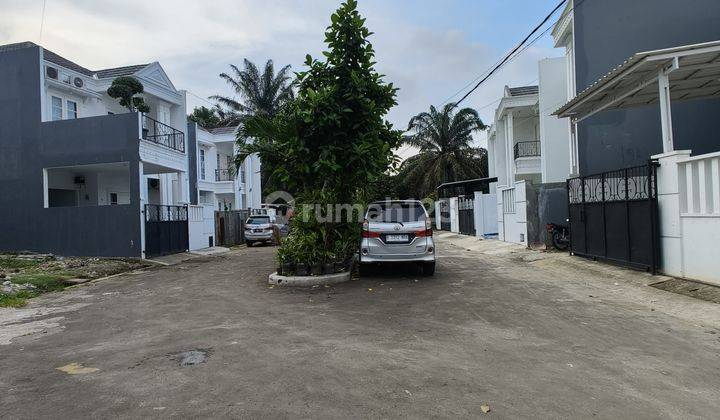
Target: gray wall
<point x="552" y="206"/>
<point x="607" y="32"/>
<point x="27" y="146"/>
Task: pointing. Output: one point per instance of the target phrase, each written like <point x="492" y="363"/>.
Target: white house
<point x="528" y="153"/>
<point x="218" y="183"/>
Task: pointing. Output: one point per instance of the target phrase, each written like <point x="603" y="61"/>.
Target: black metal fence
<point x="527" y="149"/>
<point x="613" y="216"/>
<point x="223" y="175"/>
<point x="166" y="229"/>
<point x="162" y="134"/>
<point x="466" y="216"/>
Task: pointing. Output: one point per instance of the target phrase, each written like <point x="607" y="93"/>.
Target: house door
<point x="613" y="216"/>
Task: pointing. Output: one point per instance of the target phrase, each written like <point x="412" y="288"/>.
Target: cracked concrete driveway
<point x="529" y="334"/>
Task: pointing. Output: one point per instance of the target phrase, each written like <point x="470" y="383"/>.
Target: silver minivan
<point x="397" y="231"/>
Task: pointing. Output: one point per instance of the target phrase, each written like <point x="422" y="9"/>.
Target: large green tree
<point x="332" y="143"/>
<point x="445" y="149"/>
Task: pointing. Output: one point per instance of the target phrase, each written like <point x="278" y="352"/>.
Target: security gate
<point x="166" y="229"/>
<point x="445" y="216"/>
<point x="613" y="216"/>
<point x="466" y="216"/>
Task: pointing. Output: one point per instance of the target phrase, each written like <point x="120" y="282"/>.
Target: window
<point x="217" y="159"/>
<point x="202" y="164"/>
<point x="113" y="199"/>
<point x="57" y="107"/>
<point x="242" y="172"/>
<point x="393" y="212"/>
<point x="72" y="110"/>
<point x="66" y="78"/>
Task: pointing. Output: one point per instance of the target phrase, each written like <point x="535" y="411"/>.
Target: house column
<point x="509" y="147"/>
<point x="669" y="223"/>
<point x="665" y="111"/>
<point x="143" y="200"/>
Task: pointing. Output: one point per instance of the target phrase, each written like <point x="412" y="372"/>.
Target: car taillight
<point x="423" y="233"/>
<point x="366" y="230"/>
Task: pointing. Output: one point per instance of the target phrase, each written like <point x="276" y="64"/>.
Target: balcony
<point x="162" y="134"/>
<point x="223" y="175"/>
<point x="527" y="149"/>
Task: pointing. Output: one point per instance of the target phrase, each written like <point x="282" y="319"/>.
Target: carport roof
<point x="693" y="71"/>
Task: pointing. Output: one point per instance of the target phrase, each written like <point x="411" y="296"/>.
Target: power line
<point x="508" y="56"/>
<point x="202" y="99"/>
<point x="42" y="21"/>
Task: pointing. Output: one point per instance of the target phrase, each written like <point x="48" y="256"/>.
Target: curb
<point x="308" y="281"/>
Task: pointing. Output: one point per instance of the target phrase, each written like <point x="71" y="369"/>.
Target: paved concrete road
<point x="529" y="336"/>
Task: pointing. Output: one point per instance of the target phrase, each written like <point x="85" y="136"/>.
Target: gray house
<point x="599" y="35"/>
<point x="644" y="101"/>
<point x="79" y="174"/>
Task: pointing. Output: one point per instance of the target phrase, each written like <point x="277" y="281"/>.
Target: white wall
<point x="554" y="132"/>
<point x="485" y="213"/>
<point x="512" y="217"/>
<point x="689" y="215"/>
<point x="454" y="215"/>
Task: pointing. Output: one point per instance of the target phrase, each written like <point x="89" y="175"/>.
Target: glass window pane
<point x="72" y="109"/>
<point x="56" y="108"/>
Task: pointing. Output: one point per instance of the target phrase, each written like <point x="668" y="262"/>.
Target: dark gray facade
<point x="27" y="146"/>
<point x="552" y="204"/>
<point x="607" y="32"/>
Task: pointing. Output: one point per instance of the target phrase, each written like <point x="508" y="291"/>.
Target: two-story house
<point x="644" y="96"/>
<point x="219" y="184"/>
<point x="528" y="153"/>
<point x="80" y="174"/>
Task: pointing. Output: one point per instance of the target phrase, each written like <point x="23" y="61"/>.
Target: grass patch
<point x="16" y="300"/>
<point x="13" y="263"/>
<point x="45" y="282"/>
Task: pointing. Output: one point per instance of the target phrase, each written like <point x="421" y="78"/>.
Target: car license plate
<point x="257" y="230"/>
<point x="396" y="238"/>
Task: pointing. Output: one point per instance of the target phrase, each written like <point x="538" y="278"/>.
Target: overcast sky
<point x="429" y="49"/>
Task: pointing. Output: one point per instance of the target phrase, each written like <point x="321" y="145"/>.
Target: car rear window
<point x="396" y="212"/>
<point x="258" y="220"/>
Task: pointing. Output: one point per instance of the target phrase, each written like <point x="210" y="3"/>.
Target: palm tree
<point x="205" y="117"/>
<point x="446" y="153"/>
<point x="255" y="93"/>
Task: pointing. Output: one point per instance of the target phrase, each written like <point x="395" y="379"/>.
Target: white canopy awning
<point x="679" y="73"/>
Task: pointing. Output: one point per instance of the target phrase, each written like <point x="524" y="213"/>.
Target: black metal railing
<point x="223" y="175"/>
<point x="165" y="213"/>
<point x="527" y="149"/>
<point x="162" y="134"/>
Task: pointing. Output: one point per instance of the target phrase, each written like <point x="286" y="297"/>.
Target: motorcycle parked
<point x="559" y="235"/>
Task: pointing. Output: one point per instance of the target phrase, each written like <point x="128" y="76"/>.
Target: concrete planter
<point x="308" y="281"/>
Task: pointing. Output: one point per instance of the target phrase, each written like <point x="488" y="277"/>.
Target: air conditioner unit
<point x="154" y="183"/>
<point x="51" y="72"/>
<point x="78" y="82"/>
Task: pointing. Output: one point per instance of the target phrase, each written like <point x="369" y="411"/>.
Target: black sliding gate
<point x="166" y="229"/>
<point x="445" y="216"/>
<point x="613" y="216"/>
<point x="466" y="216"/>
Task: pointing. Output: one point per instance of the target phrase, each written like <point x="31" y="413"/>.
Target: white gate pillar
<point x="454" y="215"/>
<point x="668" y="194"/>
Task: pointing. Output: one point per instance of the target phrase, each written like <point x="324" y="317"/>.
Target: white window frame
<point x="67" y="109"/>
<point x="202" y="164"/>
<point x="53" y="107"/>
